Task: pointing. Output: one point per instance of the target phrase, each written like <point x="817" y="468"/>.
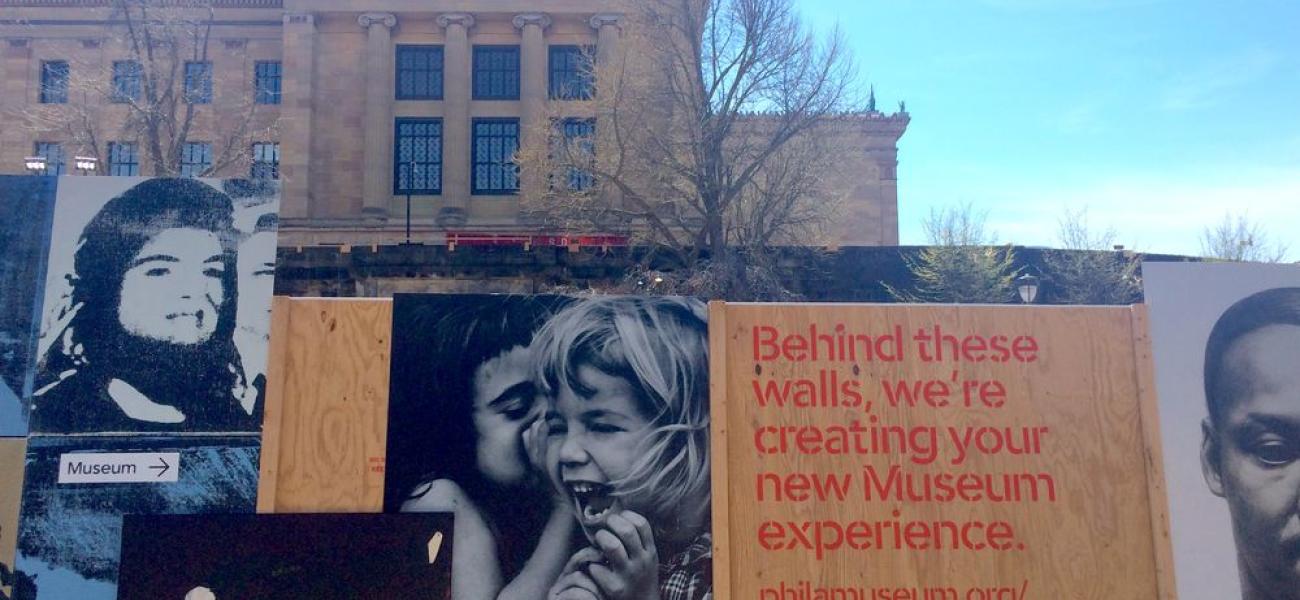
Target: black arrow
<point x="164" y="466"/>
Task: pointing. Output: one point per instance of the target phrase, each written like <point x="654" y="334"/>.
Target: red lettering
<point x="1025" y="349"/>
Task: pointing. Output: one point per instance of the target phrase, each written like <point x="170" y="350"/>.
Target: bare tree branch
<point x="1237" y="238"/>
<point x="715" y="138"/>
<point x="160" y="36"/>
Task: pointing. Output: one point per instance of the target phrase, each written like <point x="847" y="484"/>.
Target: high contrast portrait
<point x="1251" y="447"/>
<point x="1226" y="347"/>
<point x="568" y="436"/>
<point x="146" y="310"/>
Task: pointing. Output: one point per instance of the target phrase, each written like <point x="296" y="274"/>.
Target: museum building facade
<point x="356" y="105"/>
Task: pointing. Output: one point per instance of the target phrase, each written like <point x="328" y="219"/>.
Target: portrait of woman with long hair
<point x="143" y="342"/>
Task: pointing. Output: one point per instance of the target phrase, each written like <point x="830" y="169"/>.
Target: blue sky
<point x="1157" y="116"/>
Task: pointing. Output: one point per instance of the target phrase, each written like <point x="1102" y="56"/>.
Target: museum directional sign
<point x="122" y="467"/>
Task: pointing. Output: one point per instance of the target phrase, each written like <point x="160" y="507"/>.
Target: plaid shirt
<point x="689" y="574"/>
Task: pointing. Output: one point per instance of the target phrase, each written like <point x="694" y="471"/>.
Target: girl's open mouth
<point x="594" y="502"/>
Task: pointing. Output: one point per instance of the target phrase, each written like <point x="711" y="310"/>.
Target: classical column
<point x="534" y="80"/>
<point x="376" y="186"/>
<point x="608" y="71"/>
<point x="455" y="121"/>
<point x="296" y="112"/>
<point x="16" y="142"/>
<point x="607" y="31"/>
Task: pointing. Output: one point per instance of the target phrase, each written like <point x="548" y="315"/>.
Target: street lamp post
<point x="410" y="183"/>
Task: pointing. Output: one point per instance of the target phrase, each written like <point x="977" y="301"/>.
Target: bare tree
<point x="1089" y="268"/>
<point x="1237" y="238"/>
<point x="961" y="264"/>
<point x="154" y="40"/>
<point x="714" y="131"/>
<point x="959" y="225"/>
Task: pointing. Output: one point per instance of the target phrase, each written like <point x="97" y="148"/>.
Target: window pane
<point x="126" y="81"/>
<point x="494" y="147"/>
<point x="417" y="156"/>
<point x="196" y="157"/>
<point x="419" y="72"/>
<point x="267" y="82"/>
<point x="496" y="72"/>
<point x="54" y="82"/>
<point x="122" y="159"/>
<point x="580" y="146"/>
<point x="54" y="160"/>
<point x="570" y="73"/>
<point x="266" y="160"/>
<point x="198" y="82"/>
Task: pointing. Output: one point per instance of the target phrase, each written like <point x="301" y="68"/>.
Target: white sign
<point x="127" y="467"/>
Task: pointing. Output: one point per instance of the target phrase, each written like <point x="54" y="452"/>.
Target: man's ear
<point x="1210" y="466"/>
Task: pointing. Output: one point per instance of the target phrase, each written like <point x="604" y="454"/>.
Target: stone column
<point x="296" y="112"/>
<point x="608" y="71"/>
<point x="15" y="95"/>
<point x="455" y="122"/>
<point x="886" y="160"/>
<point x="607" y="31"/>
<point x="534" y="89"/>
<point x="377" y="175"/>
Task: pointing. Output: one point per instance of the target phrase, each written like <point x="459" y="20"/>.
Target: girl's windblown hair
<point x="659" y="345"/>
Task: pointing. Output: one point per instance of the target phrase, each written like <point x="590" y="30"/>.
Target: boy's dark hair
<point x="442" y="343"/>
<point x="1278" y="306"/>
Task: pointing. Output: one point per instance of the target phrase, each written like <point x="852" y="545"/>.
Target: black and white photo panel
<point x="569" y="436"/>
<point x="1225" y="341"/>
<point x="156" y="311"/>
<point x="26" y="204"/>
<point x="78" y="488"/>
<point x="289" y="557"/>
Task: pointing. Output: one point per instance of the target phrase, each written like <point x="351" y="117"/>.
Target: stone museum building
<point x="354" y="104"/>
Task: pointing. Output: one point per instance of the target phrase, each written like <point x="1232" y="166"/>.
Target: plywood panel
<point x="327" y="406"/>
<point x="1158" y="493"/>
<point x="1078" y="525"/>
<point x="12" y="452"/>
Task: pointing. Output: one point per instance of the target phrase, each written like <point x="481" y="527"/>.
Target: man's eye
<point x="555" y="427"/>
<point x="1274" y="453"/>
<point x="605" y="428"/>
<point x="157" y="272"/>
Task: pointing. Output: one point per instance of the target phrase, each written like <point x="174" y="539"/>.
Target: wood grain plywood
<point x="1039" y="492"/>
<point x="327" y="406"/>
<point x="12" y="453"/>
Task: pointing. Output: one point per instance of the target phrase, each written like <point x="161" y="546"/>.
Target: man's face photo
<point x="1251" y="457"/>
